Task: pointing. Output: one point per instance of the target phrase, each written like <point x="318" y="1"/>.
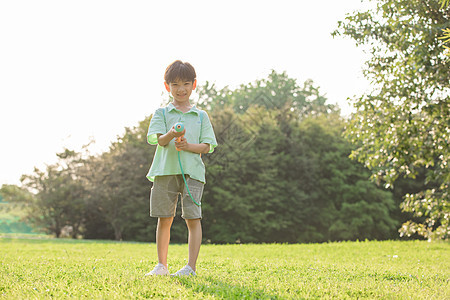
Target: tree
<point x="282" y="172"/>
<point x="446" y="38"/>
<point x="14" y="194"/>
<point x="13" y="201"/>
<point x="351" y="206"/>
<point x="118" y="189"/>
<point x="402" y="125"/>
<point x="58" y="196"/>
<point x="446" y="31"/>
<point x="277" y="92"/>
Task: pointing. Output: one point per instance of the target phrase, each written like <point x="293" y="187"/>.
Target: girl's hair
<point x="179" y="70"/>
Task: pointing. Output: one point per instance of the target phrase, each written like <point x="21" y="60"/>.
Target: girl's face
<point x="180" y="89"/>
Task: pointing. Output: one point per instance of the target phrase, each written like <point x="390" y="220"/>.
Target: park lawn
<point x="113" y="270"/>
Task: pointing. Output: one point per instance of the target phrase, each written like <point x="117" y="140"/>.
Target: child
<point x="196" y="138"/>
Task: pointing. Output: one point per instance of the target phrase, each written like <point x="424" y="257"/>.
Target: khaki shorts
<point x="164" y="197"/>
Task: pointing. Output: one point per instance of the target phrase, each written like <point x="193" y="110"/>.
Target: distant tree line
<point x="281" y="173"/>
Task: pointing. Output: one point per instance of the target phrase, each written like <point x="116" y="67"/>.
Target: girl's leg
<point x="163" y="239"/>
<point x="195" y="240"/>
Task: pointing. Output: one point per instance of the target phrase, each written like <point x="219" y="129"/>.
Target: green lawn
<point x="85" y="269"/>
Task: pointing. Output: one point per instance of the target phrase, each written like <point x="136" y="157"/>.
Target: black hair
<point x="179" y="70"/>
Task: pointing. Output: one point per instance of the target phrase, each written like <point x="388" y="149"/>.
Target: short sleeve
<point x="207" y="135"/>
<point x="157" y="126"/>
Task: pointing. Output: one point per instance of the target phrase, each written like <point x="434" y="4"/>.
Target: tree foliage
<point x="281" y="173"/>
<point x="117" y="188"/>
<point x="57" y="195"/>
<point x="13" y="200"/>
<point x="402" y="126"/>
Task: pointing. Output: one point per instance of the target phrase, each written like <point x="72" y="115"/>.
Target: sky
<point x="73" y="71"/>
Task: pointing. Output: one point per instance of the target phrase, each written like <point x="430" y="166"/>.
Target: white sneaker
<point x="185" y="271"/>
<point x="160" y="269"/>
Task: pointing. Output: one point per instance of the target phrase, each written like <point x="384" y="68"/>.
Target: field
<point x="33" y="268"/>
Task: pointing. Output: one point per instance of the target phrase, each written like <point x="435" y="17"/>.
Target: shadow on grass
<point x="209" y="285"/>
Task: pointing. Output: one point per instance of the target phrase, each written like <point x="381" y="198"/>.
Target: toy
<point x="179" y="127"/>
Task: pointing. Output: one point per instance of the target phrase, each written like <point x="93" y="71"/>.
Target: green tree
<point x="117" y="187"/>
<point x="284" y="175"/>
<point x="446" y="31"/>
<point x="14" y="194"/>
<point x="242" y="190"/>
<point x="278" y="92"/>
<point x="281" y="174"/>
<point x="446" y="38"/>
<point x="402" y="125"/>
<point x="13" y="207"/>
<point x="349" y="205"/>
<point x="58" y="195"/>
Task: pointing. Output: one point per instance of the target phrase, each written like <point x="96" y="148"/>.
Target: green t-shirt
<point x="198" y="130"/>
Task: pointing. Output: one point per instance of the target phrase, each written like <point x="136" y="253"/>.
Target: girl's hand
<point x="182" y="145"/>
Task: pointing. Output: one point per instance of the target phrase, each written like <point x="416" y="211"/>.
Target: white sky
<point x="72" y="70"/>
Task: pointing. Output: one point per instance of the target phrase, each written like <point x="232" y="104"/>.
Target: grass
<point x="112" y="270"/>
